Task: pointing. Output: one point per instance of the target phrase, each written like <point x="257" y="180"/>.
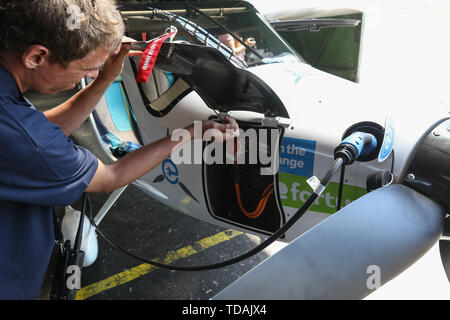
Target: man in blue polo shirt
<point x="49" y="46"/>
<point x="39" y="168"/>
<point x="39" y="165"/>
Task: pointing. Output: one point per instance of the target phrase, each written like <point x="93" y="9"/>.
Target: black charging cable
<point x="345" y="154"/>
<point x="341" y="185"/>
<point x="309" y="202"/>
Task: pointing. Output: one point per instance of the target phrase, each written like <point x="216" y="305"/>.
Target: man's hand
<point x="229" y="129"/>
<point x="224" y="131"/>
<point x="114" y="65"/>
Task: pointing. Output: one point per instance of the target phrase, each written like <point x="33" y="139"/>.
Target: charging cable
<point x="350" y="149"/>
<point x="346" y="153"/>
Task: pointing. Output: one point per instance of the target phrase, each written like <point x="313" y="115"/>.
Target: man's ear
<point x="35" y="56"/>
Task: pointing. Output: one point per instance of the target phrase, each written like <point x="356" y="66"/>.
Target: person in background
<point x="236" y="46"/>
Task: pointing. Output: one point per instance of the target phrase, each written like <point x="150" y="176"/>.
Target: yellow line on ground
<point x="142" y="269"/>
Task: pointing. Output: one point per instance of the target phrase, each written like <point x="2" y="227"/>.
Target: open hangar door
<point x="329" y="40"/>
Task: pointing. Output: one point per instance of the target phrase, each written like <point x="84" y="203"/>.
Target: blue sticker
<point x="170" y="171"/>
<point x="388" y="140"/>
<point x="297" y="76"/>
<point x="297" y="156"/>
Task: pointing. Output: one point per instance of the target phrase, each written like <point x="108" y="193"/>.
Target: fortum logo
<point x="294" y="191"/>
<point x="297" y="158"/>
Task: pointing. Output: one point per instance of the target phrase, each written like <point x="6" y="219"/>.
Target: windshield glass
<point x="248" y="27"/>
<point x="222" y="25"/>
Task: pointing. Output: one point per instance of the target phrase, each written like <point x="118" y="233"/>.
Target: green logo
<point x="294" y="191"/>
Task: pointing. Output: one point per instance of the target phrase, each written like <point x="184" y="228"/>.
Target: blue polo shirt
<point x="39" y="168"/>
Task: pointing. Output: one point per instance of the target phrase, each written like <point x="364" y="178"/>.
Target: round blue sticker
<point x="388" y="140"/>
<point x="170" y="171"/>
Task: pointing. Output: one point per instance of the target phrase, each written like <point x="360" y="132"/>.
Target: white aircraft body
<point x="381" y="214"/>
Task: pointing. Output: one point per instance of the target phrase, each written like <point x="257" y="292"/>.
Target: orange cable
<point x="261" y="205"/>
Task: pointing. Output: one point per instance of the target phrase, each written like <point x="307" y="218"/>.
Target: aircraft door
<point x="242" y="190"/>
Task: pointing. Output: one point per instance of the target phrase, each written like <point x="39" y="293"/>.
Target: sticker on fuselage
<point x="297" y="156"/>
<point x="297" y="74"/>
<point x="388" y="140"/>
<point x="170" y="171"/>
<point x="296" y="167"/>
<point x="171" y="174"/>
<point x="294" y="191"/>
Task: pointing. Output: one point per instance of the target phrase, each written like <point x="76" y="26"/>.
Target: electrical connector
<point x="355" y="145"/>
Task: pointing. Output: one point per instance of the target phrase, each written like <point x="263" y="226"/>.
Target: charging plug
<point x="355" y="145"/>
